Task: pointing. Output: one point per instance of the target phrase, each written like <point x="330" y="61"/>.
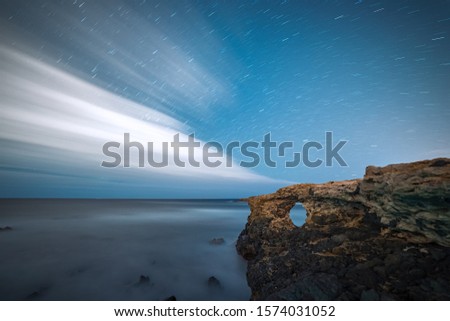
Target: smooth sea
<point x="72" y="249"/>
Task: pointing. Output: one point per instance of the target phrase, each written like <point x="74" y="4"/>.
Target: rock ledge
<point x="383" y="237"/>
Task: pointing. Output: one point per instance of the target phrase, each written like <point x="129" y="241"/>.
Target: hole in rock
<point x="298" y="214"/>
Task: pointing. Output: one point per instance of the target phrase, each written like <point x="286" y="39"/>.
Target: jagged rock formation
<point x="384" y="237"/>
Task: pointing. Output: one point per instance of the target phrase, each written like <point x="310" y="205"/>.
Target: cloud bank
<point x="53" y="127"/>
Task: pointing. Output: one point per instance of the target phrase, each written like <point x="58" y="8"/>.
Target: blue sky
<point x="76" y="74"/>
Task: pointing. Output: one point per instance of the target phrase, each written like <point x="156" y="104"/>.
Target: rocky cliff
<point x="383" y="237"/>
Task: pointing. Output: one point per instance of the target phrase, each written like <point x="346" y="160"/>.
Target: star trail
<point x="76" y="74"/>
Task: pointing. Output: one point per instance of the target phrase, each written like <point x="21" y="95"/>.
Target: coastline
<point x="383" y="237"/>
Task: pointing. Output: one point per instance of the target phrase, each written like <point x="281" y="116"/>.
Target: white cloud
<point x="54" y="121"/>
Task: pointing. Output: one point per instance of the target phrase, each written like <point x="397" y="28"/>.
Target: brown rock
<point x="386" y="236"/>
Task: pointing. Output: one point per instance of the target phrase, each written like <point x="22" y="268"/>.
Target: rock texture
<point x="383" y="237"/>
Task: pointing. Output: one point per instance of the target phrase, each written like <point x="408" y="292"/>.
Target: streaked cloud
<point x="56" y="124"/>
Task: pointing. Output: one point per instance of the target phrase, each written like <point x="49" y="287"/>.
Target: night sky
<point x="76" y="74"/>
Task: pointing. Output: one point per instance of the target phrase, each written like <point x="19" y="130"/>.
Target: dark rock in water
<point x="213" y="282"/>
<point x="383" y="237"/>
<point x="171" y="298"/>
<point x="217" y="241"/>
<point x="36" y="295"/>
<point x="33" y="296"/>
<point x="143" y="280"/>
<point x="6" y="228"/>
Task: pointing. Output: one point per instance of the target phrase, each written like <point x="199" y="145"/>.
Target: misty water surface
<point x="98" y="249"/>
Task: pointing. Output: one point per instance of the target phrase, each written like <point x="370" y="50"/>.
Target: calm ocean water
<point x="99" y="249"/>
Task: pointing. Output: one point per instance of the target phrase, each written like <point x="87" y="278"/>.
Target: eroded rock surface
<point x="383" y="237"/>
